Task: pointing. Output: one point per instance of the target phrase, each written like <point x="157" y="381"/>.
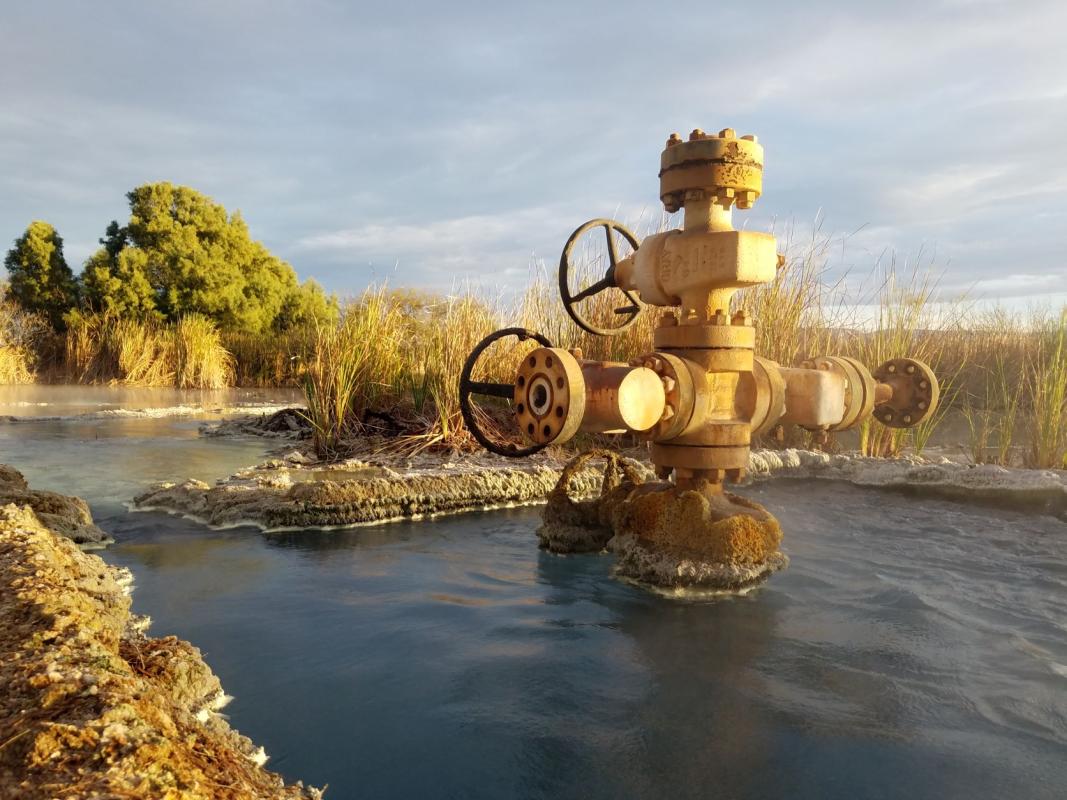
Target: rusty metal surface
<point x="915" y="392"/>
<point x="621" y="397"/>
<point x="549" y="396"/>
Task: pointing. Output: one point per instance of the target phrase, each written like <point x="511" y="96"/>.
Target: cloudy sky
<point x="425" y="142"/>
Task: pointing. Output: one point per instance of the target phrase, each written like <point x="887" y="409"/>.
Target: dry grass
<point x="113" y="350"/>
<point x="1047" y="384"/>
<point x="275" y="360"/>
<point x="391" y="364"/>
<point x="21" y="334"/>
<point x="200" y="360"/>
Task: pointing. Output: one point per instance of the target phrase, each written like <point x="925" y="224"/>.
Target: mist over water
<point x="912" y="649"/>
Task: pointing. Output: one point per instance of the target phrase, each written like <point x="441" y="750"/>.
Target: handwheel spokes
<point x="504" y="390"/>
<point x="594" y="288"/>
<point x="570" y="301"/>
<point x="613" y="256"/>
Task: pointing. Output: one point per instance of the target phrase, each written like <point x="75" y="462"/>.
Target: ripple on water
<point x="910" y="649"/>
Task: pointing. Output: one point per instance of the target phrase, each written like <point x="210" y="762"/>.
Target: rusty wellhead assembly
<point x="700" y="393"/>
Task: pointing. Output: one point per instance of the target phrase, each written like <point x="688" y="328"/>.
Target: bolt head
<point x="748" y="137"/>
<point x="891" y="368"/>
<point x="696" y="135"/>
<point x="727" y="133"/>
<point x="674" y="139"/>
<point x="746" y="199"/>
<point x="910" y="369"/>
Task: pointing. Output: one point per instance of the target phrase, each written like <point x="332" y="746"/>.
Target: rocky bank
<point x="90" y="705"/>
<point x="67" y="516"/>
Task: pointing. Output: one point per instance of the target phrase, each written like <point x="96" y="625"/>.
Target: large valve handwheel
<point x="627" y="314"/>
<point x="506" y="391"/>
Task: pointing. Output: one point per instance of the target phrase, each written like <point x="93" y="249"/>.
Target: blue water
<point x="912" y="649"/>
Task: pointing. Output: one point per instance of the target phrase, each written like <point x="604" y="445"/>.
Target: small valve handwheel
<point x="627" y="313"/>
<point x="505" y="391"/>
<point x="915" y="392"/>
<point x="549" y="396"/>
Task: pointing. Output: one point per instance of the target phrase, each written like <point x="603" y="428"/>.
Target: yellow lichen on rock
<point x="724" y="528"/>
<point x="664" y="534"/>
<point x="92" y="708"/>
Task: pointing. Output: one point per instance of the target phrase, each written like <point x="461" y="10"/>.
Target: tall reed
<point x="200" y="360"/>
<point x="1048" y="393"/>
<point x="102" y="348"/>
<point x="21" y="333"/>
<point x="353" y="366"/>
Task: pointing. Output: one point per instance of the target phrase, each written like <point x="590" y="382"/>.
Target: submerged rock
<point x="91" y="707"/>
<point x="67" y="516"/>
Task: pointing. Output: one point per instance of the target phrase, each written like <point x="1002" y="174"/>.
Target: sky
<point x="433" y="144"/>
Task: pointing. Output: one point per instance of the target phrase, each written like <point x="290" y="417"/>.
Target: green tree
<point x="40" y="280"/>
<point x="182" y="253"/>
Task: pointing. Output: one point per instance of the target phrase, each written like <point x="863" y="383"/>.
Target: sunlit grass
<point x="20" y="335"/>
<point x="119" y="351"/>
<point x="1047" y="373"/>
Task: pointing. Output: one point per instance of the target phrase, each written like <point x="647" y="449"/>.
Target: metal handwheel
<point x="468" y="387"/>
<point x="627" y="313"/>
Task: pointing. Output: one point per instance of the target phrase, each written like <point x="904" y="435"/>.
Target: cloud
<point x="463" y="140"/>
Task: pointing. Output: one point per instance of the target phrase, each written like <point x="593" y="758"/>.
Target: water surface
<point x="910" y="650"/>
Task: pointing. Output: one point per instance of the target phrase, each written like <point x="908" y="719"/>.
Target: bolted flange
<point x="549" y="395"/>
<point x="915" y="392"/>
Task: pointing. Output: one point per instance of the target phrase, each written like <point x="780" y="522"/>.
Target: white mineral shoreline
<point x="281" y="495"/>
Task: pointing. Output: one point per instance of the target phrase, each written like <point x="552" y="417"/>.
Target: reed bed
<point x="992" y="365"/>
<point x="278" y="359"/>
<point x="21" y="335"/>
<point x="119" y="351"/>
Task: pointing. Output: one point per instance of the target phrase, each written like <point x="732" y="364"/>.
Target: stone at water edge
<point x="679" y="538"/>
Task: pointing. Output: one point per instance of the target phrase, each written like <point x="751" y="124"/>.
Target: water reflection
<point x="46" y="400"/>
